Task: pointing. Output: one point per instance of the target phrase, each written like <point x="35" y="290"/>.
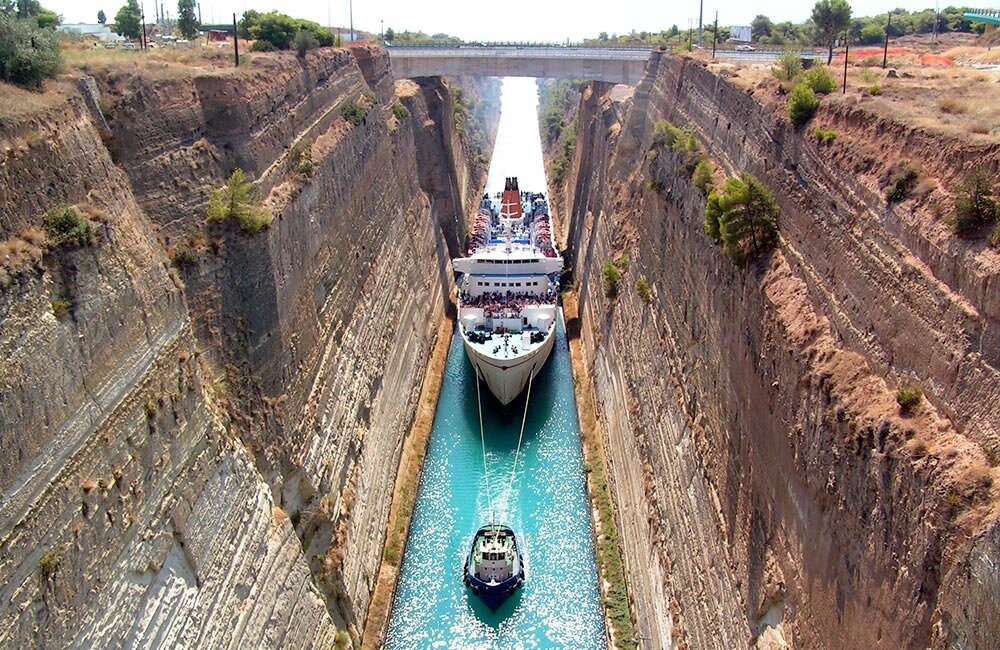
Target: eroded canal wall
<point x="769" y="491"/>
<point x="201" y="426"/>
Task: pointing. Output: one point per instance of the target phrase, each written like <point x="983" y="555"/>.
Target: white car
<point x="745" y="48"/>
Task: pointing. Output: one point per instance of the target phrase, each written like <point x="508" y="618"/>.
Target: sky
<point x="509" y="20"/>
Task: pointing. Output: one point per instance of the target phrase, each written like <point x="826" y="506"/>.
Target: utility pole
<point x="690" y="33"/>
<point x="847" y="51"/>
<point x="701" y="13"/>
<point x="885" y="52"/>
<point x="350" y="9"/>
<point x="381" y="29"/>
<point x="142" y="19"/>
<point x="156" y="12"/>
<point x="199" y="13"/>
<point x="236" y="41"/>
<point x="715" y="33"/>
<point x="937" y="18"/>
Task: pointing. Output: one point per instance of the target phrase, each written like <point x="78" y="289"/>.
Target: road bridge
<point x="615" y="65"/>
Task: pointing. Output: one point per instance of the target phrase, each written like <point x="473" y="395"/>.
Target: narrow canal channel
<point x="559" y="606"/>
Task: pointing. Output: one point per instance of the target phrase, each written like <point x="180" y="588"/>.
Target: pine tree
<point x="743" y="217"/>
<point x="831" y="18"/>
<point x="101" y="18"/>
<point x="187" y="20"/>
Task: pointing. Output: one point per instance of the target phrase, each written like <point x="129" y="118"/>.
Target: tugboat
<point x="494" y="569"/>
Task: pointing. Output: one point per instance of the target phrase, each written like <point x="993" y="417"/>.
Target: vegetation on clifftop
<point x="975" y="206"/>
<point x="29" y="53"/>
<point x="64" y="226"/>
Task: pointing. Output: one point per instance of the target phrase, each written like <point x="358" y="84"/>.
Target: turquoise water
<point x="559" y="606"/>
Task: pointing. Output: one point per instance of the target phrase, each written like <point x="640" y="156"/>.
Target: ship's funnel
<point x="510" y="203"/>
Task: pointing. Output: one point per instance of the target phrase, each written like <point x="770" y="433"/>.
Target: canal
<point x="559" y="606"/>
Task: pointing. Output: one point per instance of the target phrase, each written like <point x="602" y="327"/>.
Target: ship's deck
<point x="494" y="348"/>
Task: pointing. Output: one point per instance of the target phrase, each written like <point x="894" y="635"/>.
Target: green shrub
<point x="400" y="111"/>
<point x="802" y="104"/>
<point x="824" y="136"/>
<point x="666" y="134"/>
<point x="975" y="206"/>
<point x="743" y="218"/>
<point x="789" y="66"/>
<point x="65" y="226"/>
<point x="908" y="398"/>
<point x="280" y="31"/>
<point x="611" y="276"/>
<point x="873" y="90"/>
<point x="353" y="113"/>
<point x="820" y="80"/>
<point x="149" y="408"/>
<point x="238" y="200"/>
<point x="60" y="307"/>
<point x="391" y="555"/>
<point x="871" y="61"/>
<point x="622" y="263"/>
<point x="868" y="76"/>
<point x="300" y="159"/>
<point x="303" y="41"/>
<point x="704" y="176"/>
<point x="342" y="640"/>
<point x="644" y="291"/>
<point x="901" y="183"/>
<point x="49" y="563"/>
<point x="29" y="54"/>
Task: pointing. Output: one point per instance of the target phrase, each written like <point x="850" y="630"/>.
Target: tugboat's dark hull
<point x="494" y="595"/>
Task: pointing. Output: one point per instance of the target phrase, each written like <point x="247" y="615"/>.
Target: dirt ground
<point x="962" y="99"/>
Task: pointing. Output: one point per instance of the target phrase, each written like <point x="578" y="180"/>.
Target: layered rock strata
<point x="201" y="426"/>
<point x="769" y="490"/>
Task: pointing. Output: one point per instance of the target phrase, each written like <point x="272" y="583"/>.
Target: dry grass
<point x="952" y="106"/>
<point x="404" y="496"/>
<point x="973" y="54"/>
<point x="20" y="253"/>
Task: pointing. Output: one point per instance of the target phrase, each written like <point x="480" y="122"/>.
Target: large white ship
<point x="509" y="290"/>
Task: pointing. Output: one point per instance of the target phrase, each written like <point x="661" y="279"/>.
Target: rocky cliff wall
<point x="200" y="449"/>
<point x="758" y="459"/>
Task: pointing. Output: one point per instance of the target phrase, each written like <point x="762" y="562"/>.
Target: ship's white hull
<point x="507" y="378"/>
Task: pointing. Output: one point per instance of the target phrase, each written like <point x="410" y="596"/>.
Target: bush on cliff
<point x="742" y="217"/>
<point x="29" y="54"/>
<point x="353" y="113"/>
<point x="238" y="200"/>
<point x="643" y="289"/>
<point x="704" y="176"/>
<point x="902" y="178"/>
<point x="400" y="111"/>
<point x="611" y="276"/>
<point x="974" y="203"/>
<point x="820" y="80"/>
<point x="802" y="104"/>
<point x="64" y="226"/>
<point x="303" y="42"/>
<point x="909" y="398"/>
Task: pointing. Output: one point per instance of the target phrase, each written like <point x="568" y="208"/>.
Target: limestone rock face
<point x="768" y="488"/>
<point x="201" y="427"/>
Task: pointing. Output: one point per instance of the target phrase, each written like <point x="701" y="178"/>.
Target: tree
<point x="303" y="42"/>
<point x="101" y="18"/>
<point x="974" y="203"/>
<point x="390" y="35"/>
<point x="277" y="31"/>
<point x="831" y="17"/>
<point x="187" y="20"/>
<point x="247" y="22"/>
<point x="28" y="53"/>
<point x="743" y="218"/>
<point x="761" y="26"/>
<point x="127" y="20"/>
